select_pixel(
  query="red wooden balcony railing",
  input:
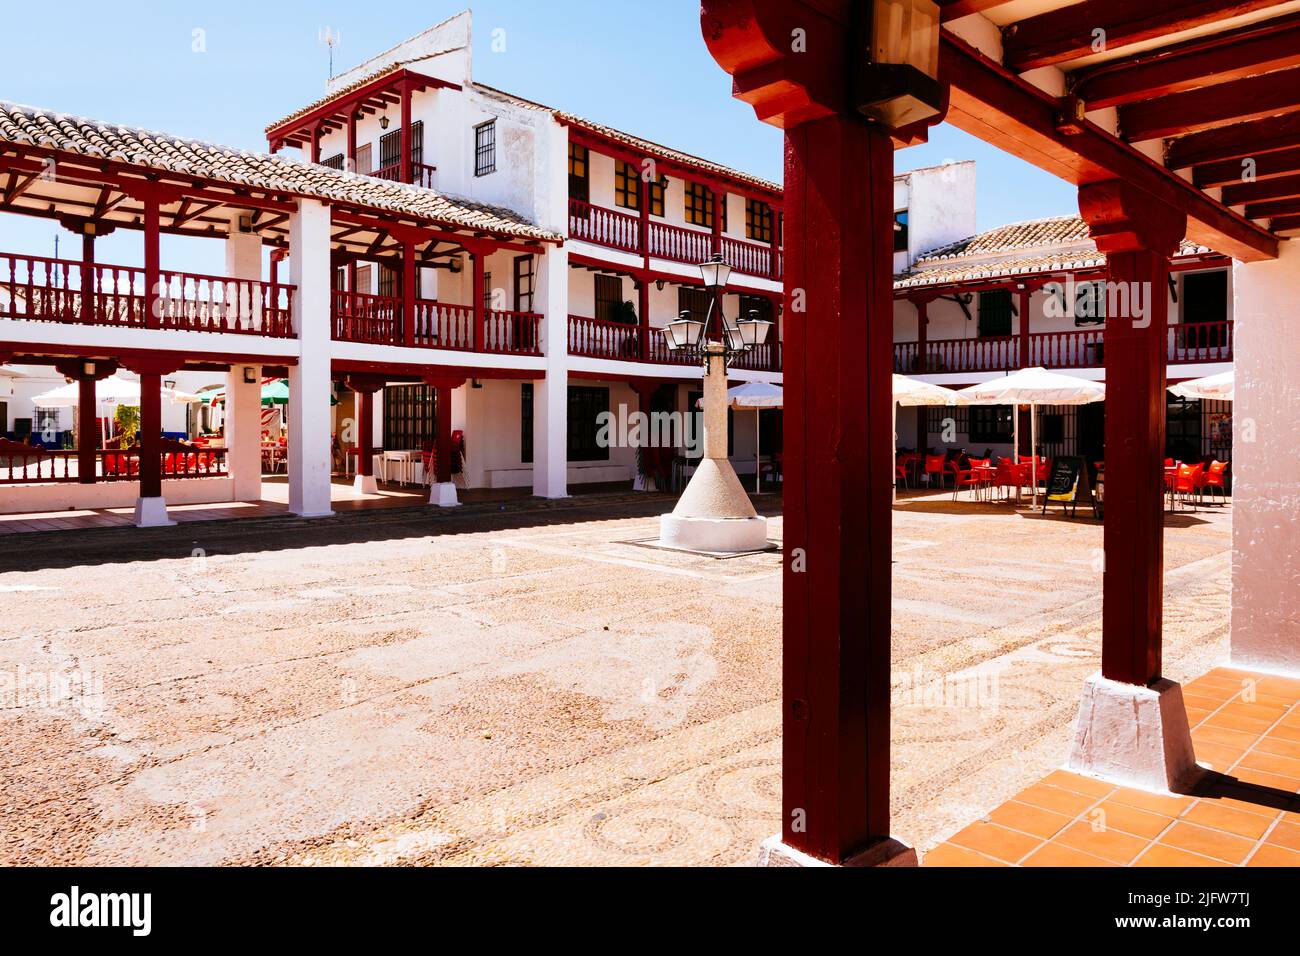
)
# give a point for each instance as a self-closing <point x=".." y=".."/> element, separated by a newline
<point x="372" y="319"/>
<point x="23" y="464"/>
<point x="512" y="333"/>
<point x="1068" y="348"/>
<point x="421" y="174"/>
<point x="621" y="230"/>
<point x="51" y="290"/>
<point x="605" y="227"/>
<point x="609" y="340"/>
<point x="679" y="244"/>
<point x="747" y="257"/>
<point x="441" y="326"/>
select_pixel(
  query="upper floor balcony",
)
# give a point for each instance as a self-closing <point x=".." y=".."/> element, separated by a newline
<point x="383" y="320"/>
<point x="594" y="338"/>
<point x="1081" y="348"/>
<point x="646" y="236"/>
<point x="71" y="292"/>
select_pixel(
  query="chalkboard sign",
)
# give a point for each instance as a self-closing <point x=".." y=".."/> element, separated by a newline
<point x="1067" y="482"/>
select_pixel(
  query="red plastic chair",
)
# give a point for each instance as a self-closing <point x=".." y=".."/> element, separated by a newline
<point x="1187" y="482"/>
<point x="934" y="465"/>
<point x="1214" y="478"/>
<point x="963" y="478"/>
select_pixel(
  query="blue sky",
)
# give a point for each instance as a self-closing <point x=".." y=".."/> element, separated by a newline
<point x="640" y="66"/>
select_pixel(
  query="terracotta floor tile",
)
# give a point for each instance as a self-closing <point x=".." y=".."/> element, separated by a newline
<point x="1200" y="702"/>
<point x="1197" y="715"/>
<point x="1263" y="778"/>
<point x="1054" y="854"/>
<point x="1285" y="834"/>
<point x="1128" y="819"/>
<point x="1216" y="816"/>
<point x="1161" y="855"/>
<point x="1269" y="855"/>
<point x="1169" y="805"/>
<point x="1272" y="763"/>
<point x="995" y="841"/>
<point x="1109" y="844"/>
<point x="1278" y="745"/>
<point x="1077" y="783"/>
<point x="1029" y="819"/>
<point x="1281" y="686"/>
<point x="1217" y="756"/>
<point x="1285" y="731"/>
<point x="947" y="854"/>
<point x="1223" y="736"/>
<point x="1212" y="687"/>
<point x="1055" y="799"/>
<point x="1267" y="712"/>
<point x="1211" y="843"/>
<point x="1238" y="722"/>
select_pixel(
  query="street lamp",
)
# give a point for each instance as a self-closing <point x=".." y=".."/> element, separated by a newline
<point x="727" y="340"/>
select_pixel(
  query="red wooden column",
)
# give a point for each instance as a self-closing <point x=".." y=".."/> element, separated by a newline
<point x="1138" y="235"/>
<point x="88" y="275"/>
<point x="643" y="317"/>
<point x="775" y="265"/>
<point x="922" y="366"/>
<point x="364" y="388"/>
<point x="479" y="294"/>
<point x="315" y="143"/>
<point x="152" y="263"/>
<point x="719" y="197"/>
<point x="86" y="430"/>
<point x="409" y="292"/>
<point x="1023" y="292"/>
<point x="643" y="240"/>
<point x="406" y="133"/>
<point x="351" y="160"/>
<point x="443" y="452"/>
<point x="150" y="434"/>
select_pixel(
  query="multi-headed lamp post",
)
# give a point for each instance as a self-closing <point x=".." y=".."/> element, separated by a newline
<point x="714" y="513"/>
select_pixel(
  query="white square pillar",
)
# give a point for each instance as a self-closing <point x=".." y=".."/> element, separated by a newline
<point x="310" y="380"/>
<point x="1265" y="509"/>
<point x="551" y="394"/>
<point x="244" y="431"/>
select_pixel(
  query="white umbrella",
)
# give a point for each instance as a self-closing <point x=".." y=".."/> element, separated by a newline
<point x="1221" y="387"/>
<point x="913" y="392"/>
<point x="758" y="396"/>
<point x="1033" y="387"/>
<point x="108" y="391"/>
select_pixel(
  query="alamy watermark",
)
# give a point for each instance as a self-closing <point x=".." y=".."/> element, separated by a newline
<point x="624" y="429"/>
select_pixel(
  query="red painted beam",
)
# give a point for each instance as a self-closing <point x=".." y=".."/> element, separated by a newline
<point x="989" y="102"/>
<point x="1273" y="210"/>
<point x="1264" y="166"/>
<point x="1068" y="33"/>
<point x="1235" y="142"/>
<point x="1268" y="190"/>
<point x="293" y="129"/>
<point x="1286" y="223"/>
<point x="1234" y="55"/>
<point x="1256" y="97"/>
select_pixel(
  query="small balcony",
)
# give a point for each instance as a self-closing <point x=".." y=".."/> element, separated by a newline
<point x="1076" y="348"/>
<point x="619" y="230"/>
<point x="378" y="320"/>
<point x="66" y="291"/>
<point x="594" y="338"/>
<point x="422" y="175"/>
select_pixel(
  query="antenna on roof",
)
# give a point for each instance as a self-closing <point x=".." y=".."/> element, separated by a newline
<point x="331" y="39"/>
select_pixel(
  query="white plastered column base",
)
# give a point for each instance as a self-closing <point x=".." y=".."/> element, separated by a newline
<point x="365" y="485"/>
<point x="443" y="494"/>
<point x="889" y="852"/>
<point x="1134" y="736"/>
<point x="152" y="513"/>
<point x="719" y="535"/>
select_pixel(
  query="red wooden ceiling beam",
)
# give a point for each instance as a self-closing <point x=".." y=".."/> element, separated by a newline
<point x="296" y="128"/>
<point x="1234" y="55"/>
<point x="1235" y="142"/>
<point x="1256" y="97"/>
<point x="1267" y="190"/>
<point x="1019" y="118"/>
<point x="1286" y="223"/>
<point x="1228" y="172"/>
<point x="1274" y="209"/>
<point x="1065" y="34"/>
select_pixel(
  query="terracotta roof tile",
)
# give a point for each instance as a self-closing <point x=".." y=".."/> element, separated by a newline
<point x="46" y="129"/>
<point x="1056" y="244"/>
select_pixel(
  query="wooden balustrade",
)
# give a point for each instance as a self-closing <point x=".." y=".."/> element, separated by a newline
<point x="512" y="333"/>
<point x="51" y="290"/>
<point x="422" y="174"/>
<point x="25" y="464"/>
<point x="1068" y="348"/>
<point x="442" y="326"/>
<point x="595" y="338"/>
<point x="747" y="257"/>
<point x="679" y="244"/>
<point x="372" y="319"/>
<point x="605" y="227"/>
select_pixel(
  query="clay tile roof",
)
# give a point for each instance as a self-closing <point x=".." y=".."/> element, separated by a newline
<point x="343" y="91"/>
<point x="1057" y="244"/>
<point x="635" y="142"/>
<point x="45" y="129"/>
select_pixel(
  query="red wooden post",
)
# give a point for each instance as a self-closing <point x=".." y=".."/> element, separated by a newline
<point x="479" y="294"/>
<point x="152" y="264"/>
<point x="408" y="292"/>
<point x="922" y="366"/>
<point x="643" y="240"/>
<point x="365" y="432"/>
<point x="351" y="164"/>
<point x="719" y="197"/>
<point x="315" y="143"/>
<point x="150" y="434"/>
<point x="406" y="133"/>
<point x="86" y="429"/>
<point x="88" y="310"/>
<point x="1023" y="292"/>
<point x="442" y="424"/>
<point x="775" y="265"/>
<point x="1138" y="235"/>
<point x="643" y="310"/>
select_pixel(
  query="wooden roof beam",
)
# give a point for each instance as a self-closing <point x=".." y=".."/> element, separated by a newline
<point x="1233" y="55"/>
<point x="1256" y="97"/>
<point x="1228" y="172"/>
<point x="1268" y="190"/>
<point x="1068" y="33"/>
<point x="1235" y="142"/>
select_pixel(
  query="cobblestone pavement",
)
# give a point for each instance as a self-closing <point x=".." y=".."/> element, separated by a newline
<point x="519" y="683"/>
